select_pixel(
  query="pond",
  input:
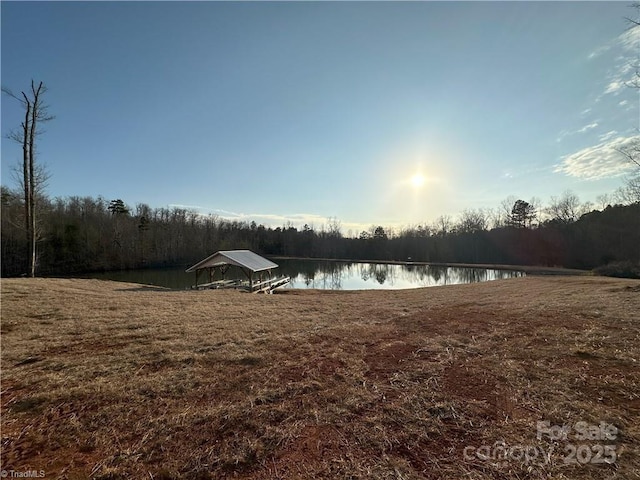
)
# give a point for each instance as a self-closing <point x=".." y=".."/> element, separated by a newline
<point x="328" y="275"/>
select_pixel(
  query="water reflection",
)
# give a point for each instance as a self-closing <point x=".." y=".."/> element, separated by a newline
<point x="358" y="276"/>
<point x="327" y="275"/>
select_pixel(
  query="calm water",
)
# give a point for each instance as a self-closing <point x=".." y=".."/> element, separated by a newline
<point x="328" y="275"/>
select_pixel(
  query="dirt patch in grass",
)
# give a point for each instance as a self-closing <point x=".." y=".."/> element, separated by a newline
<point x="104" y="381"/>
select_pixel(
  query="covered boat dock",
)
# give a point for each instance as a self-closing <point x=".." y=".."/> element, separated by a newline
<point x="258" y="270"/>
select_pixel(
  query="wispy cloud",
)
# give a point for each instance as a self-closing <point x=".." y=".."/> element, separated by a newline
<point x="600" y="161"/>
<point x="588" y="127"/>
<point x="186" y="207"/>
<point x="624" y="73"/>
<point x="525" y="171"/>
<point x="566" y="133"/>
<point x="615" y="86"/>
<point x="605" y="137"/>
<point x="630" y="38"/>
<point x="270" y="218"/>
<point x="599" y="51"/>
<point x="297" y="220"/>
<point x="563" y="134"/>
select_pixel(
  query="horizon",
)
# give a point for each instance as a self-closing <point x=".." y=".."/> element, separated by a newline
<point x="390" y="114"/>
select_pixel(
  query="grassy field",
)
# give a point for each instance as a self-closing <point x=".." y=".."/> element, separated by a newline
<point x="110" y="380"/>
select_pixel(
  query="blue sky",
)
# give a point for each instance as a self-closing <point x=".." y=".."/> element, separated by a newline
<point x="301" y="111"/>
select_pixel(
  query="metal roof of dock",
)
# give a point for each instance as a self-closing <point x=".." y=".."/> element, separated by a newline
<point x="244" y="259"/>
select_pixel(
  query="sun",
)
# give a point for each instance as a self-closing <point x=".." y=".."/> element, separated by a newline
<point x="417" y="180"/>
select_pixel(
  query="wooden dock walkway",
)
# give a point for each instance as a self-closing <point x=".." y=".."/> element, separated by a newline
<point x="269" y="286"/>
<point x="266" y="286"/>
<point x="217" y="284"/>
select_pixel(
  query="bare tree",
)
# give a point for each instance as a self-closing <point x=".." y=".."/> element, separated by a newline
<point x="633" y="24"/>
<point x="629" y="193"/>
<point x="567" y="208"/>
<point x="33" y="177"/>
<point x="536" y="204"/>
<point x="472" y="221"/>
<point x="604" y="200"/>
<point x="632" y="152"/>
<point x="503" y="216"/>
<point x="334" y="227"/>
<point x="443" y="225"/>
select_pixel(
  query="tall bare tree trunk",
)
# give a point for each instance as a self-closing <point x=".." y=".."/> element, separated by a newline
<point x="25" y="170"/>
<point x="33" y="176"/>
<point x="35" y="114"/>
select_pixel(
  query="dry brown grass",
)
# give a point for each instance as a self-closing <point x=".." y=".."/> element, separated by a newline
<point x="110" y="380"/>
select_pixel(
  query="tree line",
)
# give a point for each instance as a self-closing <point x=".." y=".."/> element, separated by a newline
<point x="82" y="234"/>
